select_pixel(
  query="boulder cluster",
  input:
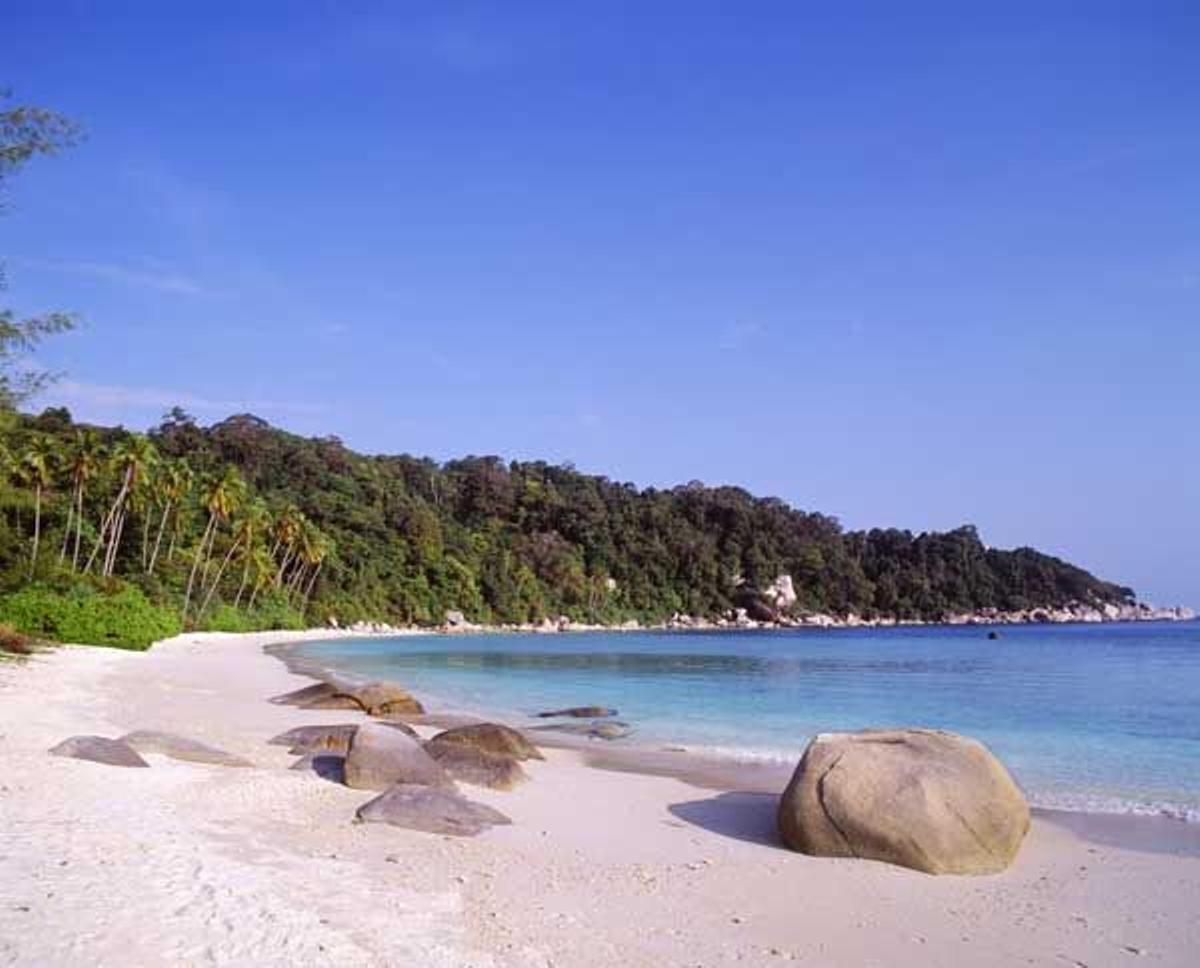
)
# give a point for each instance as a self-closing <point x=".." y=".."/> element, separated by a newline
<point x="417" y="780"/>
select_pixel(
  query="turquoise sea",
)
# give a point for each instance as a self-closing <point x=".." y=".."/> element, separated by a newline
<point x="1088" y="717"/>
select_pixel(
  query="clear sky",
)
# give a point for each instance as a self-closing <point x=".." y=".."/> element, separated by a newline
<point x="908" y="264"/>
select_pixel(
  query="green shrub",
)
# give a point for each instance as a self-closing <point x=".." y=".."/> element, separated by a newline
<point x="226" y="618"/>
<point x="123" y="619"/>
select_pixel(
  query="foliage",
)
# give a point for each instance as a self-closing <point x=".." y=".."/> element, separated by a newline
<point x="241" y="525"/>
<point x="122" y="618"/>
<point x="14" y="642"/>
<point x="25" y="132"/>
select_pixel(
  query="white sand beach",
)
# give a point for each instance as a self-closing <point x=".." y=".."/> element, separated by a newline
<point x="188" y="864"/>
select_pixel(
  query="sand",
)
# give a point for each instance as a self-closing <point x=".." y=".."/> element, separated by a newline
<point x="186" y="864"/>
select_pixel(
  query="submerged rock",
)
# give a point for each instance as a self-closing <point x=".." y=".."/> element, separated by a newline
<point x="181" y="748"/>
<point x="491" y="738"/>
<point x="380" y="757"/>
<point x="580" y="712"/>
<point x="433" y="811"/>
<point x="99" y="749"/>
<point x="919" y="798"/>
<point x="477" y="767"/>
<point x="612" y="729"/>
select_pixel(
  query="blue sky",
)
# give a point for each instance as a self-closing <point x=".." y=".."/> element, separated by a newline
<point x="909" y="264"/>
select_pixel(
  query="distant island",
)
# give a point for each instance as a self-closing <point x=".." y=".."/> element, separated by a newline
<point x="118" y="537"/>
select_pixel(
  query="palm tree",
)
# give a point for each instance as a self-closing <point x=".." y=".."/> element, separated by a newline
<point x="82" y="465"/>
<point x="131" y="459"/>
<point x="222" y="499"/>
<point x="320" y="548"/>
<point x="256" y="520"/>
<point x="173" y="485"/>
<point x="34" y="469"/>
<point x="287" y="530"/>
<point x="243" y="537"/>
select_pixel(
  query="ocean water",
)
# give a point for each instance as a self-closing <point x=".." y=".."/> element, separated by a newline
<point x="1094" y="717"/>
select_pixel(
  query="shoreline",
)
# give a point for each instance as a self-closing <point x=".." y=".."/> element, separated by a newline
<point x="184" y="863"/>
<point x="700" y="766"/>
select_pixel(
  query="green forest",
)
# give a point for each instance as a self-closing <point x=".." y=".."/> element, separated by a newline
<point x="241" y="525"/>
<point x="121" y="538"/>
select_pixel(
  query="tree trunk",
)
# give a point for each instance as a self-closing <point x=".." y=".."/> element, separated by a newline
<point x="62" y="555"/>
<point x="162" y="526"/>
<point x="217" y="581"/>
<point x="311" y="582"/>
<point x="78" y="530"/>
<point x="187" y="597"/>
<point x="109" y="520"/>
<point x="237" y="602"/>
<point x="37" y="527"/>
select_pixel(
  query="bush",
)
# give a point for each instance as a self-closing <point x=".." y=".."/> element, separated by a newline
<point x="124" y="619"/>
<point x="14" y="642"/>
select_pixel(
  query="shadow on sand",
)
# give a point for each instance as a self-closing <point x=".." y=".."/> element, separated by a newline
<point x="742" y="816"/>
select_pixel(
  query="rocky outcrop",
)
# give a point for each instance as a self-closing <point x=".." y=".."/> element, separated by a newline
<point x="477" y="767"/>
<point x="431" y="810"/>
<point x="99" y="749"/>
<point x="181" y="748"/>
<point x="380" y="757"/>
<point x="579" y="712"/>
<point x="929" y="800"/>
<point x="491" y="738"/>
<point x="781" y="593"/>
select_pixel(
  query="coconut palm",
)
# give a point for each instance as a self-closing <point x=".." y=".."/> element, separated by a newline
<point x="255" y="523"/>
<point x="172" y="487"/>
<point x="288" y="524"/>
<point x="244" y="532"/>
<point x="34" y="470"/>
<point x="83" y="463"/>
<point x="132" y="459"/>
<point x="222" y="497"/>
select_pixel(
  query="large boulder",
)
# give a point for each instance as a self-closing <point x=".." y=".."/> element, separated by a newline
<point x="382" y="699"/>
<point x="380" y="757"/>
<point x="375" y="698"/>
<point x="99" y="749"/>
<point x="477" y="767"/>
<point x="491" y="738"/>
<point x="334" y="738"/>
<point x="181" y="748"/>
<point x="430" y="810"/>
<point x="919" y="798"/>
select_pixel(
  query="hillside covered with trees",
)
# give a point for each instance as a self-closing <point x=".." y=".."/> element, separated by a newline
<point x="242" y="525"/>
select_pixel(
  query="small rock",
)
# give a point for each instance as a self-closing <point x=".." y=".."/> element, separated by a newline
<point x="99" y="749"/>
<point x="430" y="810"/>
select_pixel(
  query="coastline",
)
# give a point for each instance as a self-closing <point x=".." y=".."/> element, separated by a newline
<point x="726" y="765"/>
<point x="184" y="863"/>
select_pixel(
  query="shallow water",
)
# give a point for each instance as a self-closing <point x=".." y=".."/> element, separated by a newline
<point x="1091" y="717"/>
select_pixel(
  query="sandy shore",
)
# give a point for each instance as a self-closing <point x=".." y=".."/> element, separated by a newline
<point x="185" y="864"/>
